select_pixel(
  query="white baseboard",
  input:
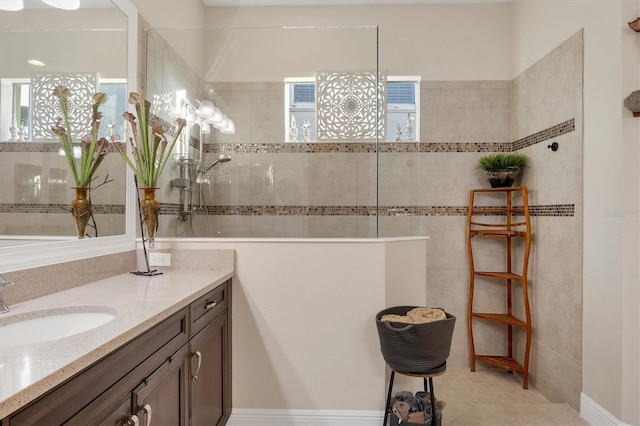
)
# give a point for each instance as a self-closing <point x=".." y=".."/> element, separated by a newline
<point x="269" y="417"/>
<point x="595" y="415"/>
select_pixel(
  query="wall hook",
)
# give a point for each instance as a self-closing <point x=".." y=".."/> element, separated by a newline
<point x="553" y="146"/>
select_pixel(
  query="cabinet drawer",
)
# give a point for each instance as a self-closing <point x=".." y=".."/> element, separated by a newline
<point x="207" y="307"/>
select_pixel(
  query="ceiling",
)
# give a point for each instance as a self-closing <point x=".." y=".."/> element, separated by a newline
<point x="334" y="2"/>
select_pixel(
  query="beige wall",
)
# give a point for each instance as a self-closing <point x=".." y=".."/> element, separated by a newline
<point x="81" y="50"/>
<point x="304" y="334"/>
<point x="610" y="275"/>
<point x="411" y="37"/>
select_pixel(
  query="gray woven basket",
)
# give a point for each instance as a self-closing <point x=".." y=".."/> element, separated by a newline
<point x="415" y="348"/>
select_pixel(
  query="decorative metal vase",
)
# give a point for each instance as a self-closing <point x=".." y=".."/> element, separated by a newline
<point x="81" y="209"/>
<point x="149" y="206"/>
<point x="502" y="178"/>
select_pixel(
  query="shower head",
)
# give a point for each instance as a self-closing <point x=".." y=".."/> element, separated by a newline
<point x="223" y="158"/>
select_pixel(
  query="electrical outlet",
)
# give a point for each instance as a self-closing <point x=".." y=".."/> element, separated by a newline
<point x="159" y="259"/>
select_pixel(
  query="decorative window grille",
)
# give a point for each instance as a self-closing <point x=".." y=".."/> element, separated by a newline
<point x="31" y="103"/>
<point x="46" y="108"/>
<point x="400" y="107"/>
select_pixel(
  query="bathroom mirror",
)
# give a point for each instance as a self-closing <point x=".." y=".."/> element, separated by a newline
<point x="96" y="44"/>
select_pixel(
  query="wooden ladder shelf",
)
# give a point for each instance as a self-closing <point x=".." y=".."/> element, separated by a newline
<point x="514" y="223"/>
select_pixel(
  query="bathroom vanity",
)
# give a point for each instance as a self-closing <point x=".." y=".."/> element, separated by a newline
<point x="165" y="358"/>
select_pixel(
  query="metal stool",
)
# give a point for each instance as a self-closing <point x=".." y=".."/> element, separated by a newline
<point x="427" y="388"/>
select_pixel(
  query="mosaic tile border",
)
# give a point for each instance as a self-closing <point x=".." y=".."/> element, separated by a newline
<point x="174" y="209"/>
<point x="567" y="210"/>
<point x="544" y="135"/>
<point x="39" y="147"/>
<point x="393" y="147"/>
<point x="60" y="208"/>
<point x="333" y="147"/>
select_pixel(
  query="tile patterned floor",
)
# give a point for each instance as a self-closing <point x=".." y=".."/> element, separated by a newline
<point x="493" y="397"/>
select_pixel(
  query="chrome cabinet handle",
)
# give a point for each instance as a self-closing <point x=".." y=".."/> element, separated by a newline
<point x="198" y="356"/>
<point x="210" y="305"/>
<point x="132" y="420"/>
<point x="146" y="409"/>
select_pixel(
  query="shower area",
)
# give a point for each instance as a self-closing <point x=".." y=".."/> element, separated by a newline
<point x="389" y="125"/>
<point x="293" y="132"/>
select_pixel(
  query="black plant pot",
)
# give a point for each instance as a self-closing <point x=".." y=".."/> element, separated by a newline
<point x="502" y="178"/>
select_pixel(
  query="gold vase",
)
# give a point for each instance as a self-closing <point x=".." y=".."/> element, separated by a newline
<point x="81" y="209"/>
<point x="149" y="206"/>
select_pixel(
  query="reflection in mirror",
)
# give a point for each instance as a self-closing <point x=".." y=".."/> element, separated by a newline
<point x="89" y="55"/>
<point x="90" y="49"/>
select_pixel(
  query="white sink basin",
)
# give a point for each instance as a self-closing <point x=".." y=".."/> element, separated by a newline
<point x="50" y="325"/>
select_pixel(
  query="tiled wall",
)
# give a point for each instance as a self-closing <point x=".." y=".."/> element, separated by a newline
<point x="551" y="91"/>
<point x="37" y="192"/>
<point x="332" y="189"/>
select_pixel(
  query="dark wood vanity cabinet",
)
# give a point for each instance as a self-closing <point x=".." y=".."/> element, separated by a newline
<point x="211" y="382"/>
<point x="176" y="373"/>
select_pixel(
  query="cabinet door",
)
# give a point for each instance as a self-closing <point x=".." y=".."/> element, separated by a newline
<point x="210" y="374"/>
<point x="161" y="400"/>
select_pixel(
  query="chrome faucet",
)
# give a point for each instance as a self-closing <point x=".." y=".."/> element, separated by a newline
<point x="4" y="283"/>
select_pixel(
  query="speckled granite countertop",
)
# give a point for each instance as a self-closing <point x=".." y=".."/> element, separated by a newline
<point x="138" y="303"/>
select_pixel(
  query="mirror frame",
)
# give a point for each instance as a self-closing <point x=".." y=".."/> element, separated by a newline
<point x="41" y="254"/>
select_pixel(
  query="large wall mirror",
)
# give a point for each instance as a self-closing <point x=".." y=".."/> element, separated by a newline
<point x="90" y="49"/>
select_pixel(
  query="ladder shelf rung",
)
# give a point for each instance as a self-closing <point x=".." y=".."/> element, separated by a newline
<point x="501" y="361"/>
<point x="499" y="274"/>
<point x="502" y="318"/>
<point x="496" y="233"/>
<point x="497" y="225"/>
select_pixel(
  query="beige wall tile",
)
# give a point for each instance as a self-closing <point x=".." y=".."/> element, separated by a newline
<point x="556" y="377"/>
<point x="556" y="319"/>
<point x="446" y="248"/>
<point x="441" y="180"/>
<point x="330" y="180"/>
<point x="448" y="289"/>
<point x="397" y="180"/>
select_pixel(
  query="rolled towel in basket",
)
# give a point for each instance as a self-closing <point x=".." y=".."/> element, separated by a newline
<point x="416" y="316"/>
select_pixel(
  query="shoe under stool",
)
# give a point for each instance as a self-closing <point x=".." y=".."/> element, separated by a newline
<point x="427" y="378"/>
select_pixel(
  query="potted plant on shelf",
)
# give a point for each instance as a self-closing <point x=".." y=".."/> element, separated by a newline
<point x="151" y="150"/>
<point x="502" y="169"/>
<point x="83" y="164"/>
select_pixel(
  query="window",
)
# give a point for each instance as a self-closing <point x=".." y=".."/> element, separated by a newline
<point x="403" y="108"/>
<point x="403" y="100"/>
<point x="16" y="107"/>
<point x="300" y="109"/>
